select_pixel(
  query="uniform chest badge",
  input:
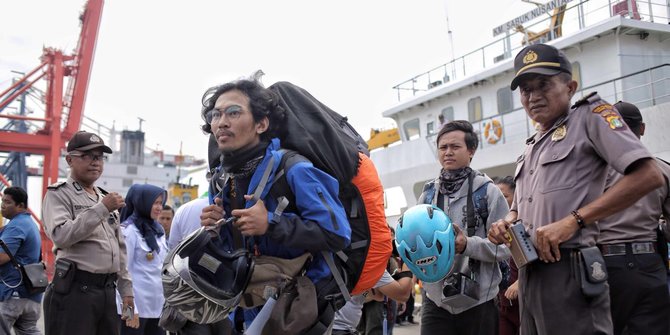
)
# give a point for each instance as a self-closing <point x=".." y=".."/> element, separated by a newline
<point x="150" y="256"/>
<point x="597" y="272"/>
<point x="559" y="133"/>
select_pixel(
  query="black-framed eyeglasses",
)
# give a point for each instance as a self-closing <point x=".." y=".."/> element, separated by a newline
<point x="231" y="112"/>
<point x="89" y="157"/>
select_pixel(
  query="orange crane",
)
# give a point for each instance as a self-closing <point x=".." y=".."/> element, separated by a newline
<point x="63" y="110"/>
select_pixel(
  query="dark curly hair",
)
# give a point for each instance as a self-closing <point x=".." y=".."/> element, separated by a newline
<point x="262" y="101"/>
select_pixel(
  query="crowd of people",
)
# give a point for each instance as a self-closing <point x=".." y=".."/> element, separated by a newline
<point x="588" y="193"/>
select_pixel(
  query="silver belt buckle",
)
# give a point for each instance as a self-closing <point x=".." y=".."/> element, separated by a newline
<point x="643" y="248"/>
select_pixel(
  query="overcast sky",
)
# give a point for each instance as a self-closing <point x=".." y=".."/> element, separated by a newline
<point x="154" y="59"/>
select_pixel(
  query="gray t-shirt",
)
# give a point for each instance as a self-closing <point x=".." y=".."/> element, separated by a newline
<point x="349" y="315"/>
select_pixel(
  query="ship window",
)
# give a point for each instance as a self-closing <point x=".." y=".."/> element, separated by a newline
<point x="127" y="182"/>
<point x="475" y="111"/>
<point x="577" y="73"/>
<point x="411" y="129"/>
<point x="131" y="169"/>
<point x="505" y="102"/>
<point x="430" y="128"/>
<point x="446" y="116"/>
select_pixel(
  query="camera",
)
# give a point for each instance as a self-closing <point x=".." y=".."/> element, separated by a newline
<point x="460" y="290"/>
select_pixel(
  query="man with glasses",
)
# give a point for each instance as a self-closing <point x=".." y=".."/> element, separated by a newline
<point x="246" y="120"/>
<point x="82" y="220"/>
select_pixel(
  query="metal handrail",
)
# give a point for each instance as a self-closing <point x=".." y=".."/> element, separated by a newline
<point x="653" y="98"/>
<point x="449" y="71"/>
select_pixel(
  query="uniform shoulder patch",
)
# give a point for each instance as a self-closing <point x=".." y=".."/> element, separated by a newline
<point x="55" y="186"/>
<point x="585" y="100"/>
<point x="602" y="108"/>
<point x="613" y="119"/>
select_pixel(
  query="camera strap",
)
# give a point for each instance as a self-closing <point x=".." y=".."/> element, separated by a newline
<point x="471" y="221"/>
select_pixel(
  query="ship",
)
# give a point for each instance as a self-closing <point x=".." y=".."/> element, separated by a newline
<point x="620" y="49"/>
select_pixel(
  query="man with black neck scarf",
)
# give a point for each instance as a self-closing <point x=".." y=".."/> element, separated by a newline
<point x="245" y="119"/>
<point x="476" y="257"/>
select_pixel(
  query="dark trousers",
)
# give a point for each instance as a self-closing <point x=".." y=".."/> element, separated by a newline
<point x="372" y="319"/>
<point x="552" y="302"/>
<point x="147" y="327"/>
<point x="87" y="309"/>
<point x="478" y="320"/>
<point x="223" y="327"/>
<point x="408" y="314"/>
<point x="509" y="321"/>
<point x="639" y="295"/>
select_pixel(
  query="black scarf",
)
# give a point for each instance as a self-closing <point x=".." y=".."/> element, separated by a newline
<point x="452" y="180"/>
<point x="243" y="162"/>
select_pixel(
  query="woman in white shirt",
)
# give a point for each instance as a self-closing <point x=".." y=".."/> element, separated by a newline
<point x="147" y="248"/>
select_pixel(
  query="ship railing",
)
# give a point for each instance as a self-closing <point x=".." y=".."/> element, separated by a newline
<point x="643" y="88"/>
<point x="577" y="16"/>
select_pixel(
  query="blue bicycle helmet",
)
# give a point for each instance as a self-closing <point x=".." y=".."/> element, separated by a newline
<point x="425" y="241"/>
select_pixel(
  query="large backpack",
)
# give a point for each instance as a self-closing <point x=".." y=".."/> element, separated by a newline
<point x="327" y="140"/>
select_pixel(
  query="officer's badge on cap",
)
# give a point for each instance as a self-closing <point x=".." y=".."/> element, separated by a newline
<point x="540" y="59"/>
<point x="85" y="141"/>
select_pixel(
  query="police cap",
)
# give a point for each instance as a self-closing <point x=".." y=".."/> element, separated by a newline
<point x="85" y="141"/>
<point x="540" y="59"/>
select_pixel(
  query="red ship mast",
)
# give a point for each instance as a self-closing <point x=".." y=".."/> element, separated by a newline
<point x="55" y="66"/>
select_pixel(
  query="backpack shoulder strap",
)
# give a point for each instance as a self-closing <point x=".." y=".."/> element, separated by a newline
<point x="428" y="192"/>
<point x="280" y="187"/>
<point x="480" y="199"/>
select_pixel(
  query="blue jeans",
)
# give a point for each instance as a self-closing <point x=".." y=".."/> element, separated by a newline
<point x="22" y="315"/>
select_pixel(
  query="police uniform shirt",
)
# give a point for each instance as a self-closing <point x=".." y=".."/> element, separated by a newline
<point x="565" y="168"/>
<point x="85" y="232"/>
<point x="638" y="222"/>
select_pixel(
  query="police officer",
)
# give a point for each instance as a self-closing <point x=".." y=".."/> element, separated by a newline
<point x="82" y="221"/>
<point x="561" y="194"/>
<point x="628" y="240"/>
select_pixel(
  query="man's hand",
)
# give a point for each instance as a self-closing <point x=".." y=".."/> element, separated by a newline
<point x="549" y="238"/>
<point x="113" y="201"/>
<point x="512" y="291"/>
<point x="212" y="214"/>
<point x="133" y="322"/>
<point x="401" y="308"/>
<point x="461" y="239"/>
<point x="498" y="233"/>
<point x="253" y="220"/>
<point x="127" y="302"/>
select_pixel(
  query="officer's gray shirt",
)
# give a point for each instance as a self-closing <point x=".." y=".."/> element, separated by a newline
<point x="83" y="231"/>
<point x="638" y="222"/>
<point x="559" y="174"/>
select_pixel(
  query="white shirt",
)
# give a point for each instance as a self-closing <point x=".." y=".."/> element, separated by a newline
<point x="186" y="220"/>
<point x="145" y="273"/>
<point x="349" y="315"/>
